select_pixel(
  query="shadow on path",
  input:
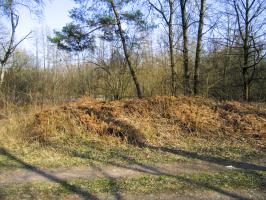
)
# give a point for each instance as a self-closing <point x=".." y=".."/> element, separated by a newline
<point x="113" y="182"/>
<point x="71" y="188"/>
<point x="189" y="181"/>
<point x="139" y="167"/>
<point x="212" y="159"/>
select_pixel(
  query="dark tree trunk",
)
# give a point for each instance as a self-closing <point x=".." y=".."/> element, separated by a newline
<point x="199" y="47"/>
<point x="246" y="54"/>
<point x="171" y="48"/>
<point x="246" y="92"/>
<point x="185" y="47"/>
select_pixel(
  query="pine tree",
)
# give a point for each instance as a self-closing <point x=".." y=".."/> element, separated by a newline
<point x="111" y="20"/>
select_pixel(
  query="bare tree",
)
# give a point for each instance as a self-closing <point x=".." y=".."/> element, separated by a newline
<point x="9" y="9"/>
<point x="166" y="9"/>
<point x="250" y="17"/>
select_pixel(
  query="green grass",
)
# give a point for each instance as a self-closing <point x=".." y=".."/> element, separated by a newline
<point x="241" y="152"/>
<point x="85" y="153"/>
<point x="225" y="181"/>
<point x="91" y="150"/>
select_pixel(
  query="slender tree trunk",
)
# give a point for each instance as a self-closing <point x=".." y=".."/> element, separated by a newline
<point x="2" y="76"/>
<point x="199" y="47"/>
<point x="207" y="86"/>
<point x="246" y="86"/>
<point x="246" y="54"/>
<point x="245" y="36"/>
<point x="171" y="48"/>
<point x="37" y="53"/>
<point x="228" y="59"/>
<point x="185" y="46"/>
<point x="125" y="48"/>
<point x="168" y="19"/>
<point x="44" y="49"/>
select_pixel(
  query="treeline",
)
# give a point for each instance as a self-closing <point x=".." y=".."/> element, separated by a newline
<point x="116" y="49"/>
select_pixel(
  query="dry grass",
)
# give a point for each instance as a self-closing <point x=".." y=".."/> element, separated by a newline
<point x="156" y="120"/>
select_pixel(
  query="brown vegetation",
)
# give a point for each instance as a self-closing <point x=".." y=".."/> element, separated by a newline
<point x="156" y="120"/>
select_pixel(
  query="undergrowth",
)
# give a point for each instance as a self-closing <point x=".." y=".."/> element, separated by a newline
<point x="87" y="130"/>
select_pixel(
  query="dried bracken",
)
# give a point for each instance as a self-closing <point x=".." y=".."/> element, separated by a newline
<point x="155" y="120"/>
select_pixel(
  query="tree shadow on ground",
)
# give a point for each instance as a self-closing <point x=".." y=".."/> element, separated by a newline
<point x="115" y="190"/>
<point x="147" y="169"/>
<point x="209" y="158"/>
<point x="132" y="164"/>
<point x="69" y="187"/>
<point x="187" y="180"/>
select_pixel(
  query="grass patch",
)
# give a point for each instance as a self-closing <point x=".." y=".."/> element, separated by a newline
<point x="240" y="152"/>
<point x="86" y="153"/>
<point x="225" y="181"/>
<point x="93" y="150"/>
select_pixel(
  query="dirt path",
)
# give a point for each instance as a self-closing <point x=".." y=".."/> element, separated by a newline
<point x="191" y="195"/>
<point x="33" y="174"/>
<point x="111" y="171"/>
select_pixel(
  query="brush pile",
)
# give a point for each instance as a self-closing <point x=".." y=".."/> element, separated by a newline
<point x="152" y="120"/>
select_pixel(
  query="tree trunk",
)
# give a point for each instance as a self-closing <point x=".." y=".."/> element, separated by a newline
<point x="168" y="19"/>
<point x="125" y="48"/>
<point x="10" y="49"/>
<point x="171" y="48"/>
<point x="199" y="47"/>
<point x="185" y="47"/>
<point x="246" y="86"/>
<point x="246" y="92"/>
<point x="2" y="76"/>
<point x="246" y="54"/>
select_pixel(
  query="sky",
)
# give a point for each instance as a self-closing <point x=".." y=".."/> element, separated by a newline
<point x="55" y="16"/>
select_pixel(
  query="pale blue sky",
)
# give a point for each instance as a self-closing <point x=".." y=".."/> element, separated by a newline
<point x="55" y="16"/>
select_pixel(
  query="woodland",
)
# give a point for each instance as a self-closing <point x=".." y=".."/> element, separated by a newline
<point x="123" y="49"/>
